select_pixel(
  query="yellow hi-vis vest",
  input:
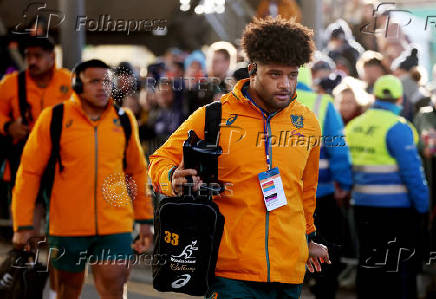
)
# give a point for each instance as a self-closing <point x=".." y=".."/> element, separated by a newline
<point x="375" y="171"/>
<point x="318" y="103"/>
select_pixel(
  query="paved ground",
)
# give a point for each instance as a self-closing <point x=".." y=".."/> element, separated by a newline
<point x="140" y="285"/>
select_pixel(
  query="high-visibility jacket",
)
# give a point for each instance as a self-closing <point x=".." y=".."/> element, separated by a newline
<point x="386" y="167"/>
<point x="334" y="162"/>
<point x="89" y="196"/>
<point x="256" y="245"/>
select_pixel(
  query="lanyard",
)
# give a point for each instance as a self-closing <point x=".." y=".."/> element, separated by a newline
<point x="265" y="119"/>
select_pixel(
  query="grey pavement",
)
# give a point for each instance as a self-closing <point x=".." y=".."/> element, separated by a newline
<point x="140" y="284"/>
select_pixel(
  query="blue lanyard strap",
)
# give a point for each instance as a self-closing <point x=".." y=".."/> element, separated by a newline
<point x="265" y="118"/>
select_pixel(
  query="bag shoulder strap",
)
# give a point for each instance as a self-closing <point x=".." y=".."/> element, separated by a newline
<point x="127" y="128"/>
<point x="212" y="122"/>
<point x="22" y="96"/>
<point x="55" y="134"/>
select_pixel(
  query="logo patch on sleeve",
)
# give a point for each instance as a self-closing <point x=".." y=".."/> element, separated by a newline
<point x="297" y="120"/>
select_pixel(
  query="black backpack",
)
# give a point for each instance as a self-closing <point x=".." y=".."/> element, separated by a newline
<point x="55" y="136"/>
<point x="187" y="233"/>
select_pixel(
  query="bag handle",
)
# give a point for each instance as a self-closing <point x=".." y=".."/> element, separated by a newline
<point x="212" y="123"/>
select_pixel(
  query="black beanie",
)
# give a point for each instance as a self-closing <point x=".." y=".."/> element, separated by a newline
<point x="406" y="62"/>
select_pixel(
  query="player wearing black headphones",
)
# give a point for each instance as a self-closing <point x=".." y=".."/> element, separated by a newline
<point x="94" y="94"/>
<point x="91" y="211"/>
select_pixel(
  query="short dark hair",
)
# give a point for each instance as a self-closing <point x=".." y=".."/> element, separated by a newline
<point x="124" y="68"/>
<point x="277" y="40"/>
<point x="225" y="53"/>
<point x="376" y="62"/>
<point x="93" y="63"/>
<point x="46" y="43"/>
<point x="180" y="65"/>
<point x="405" y="61"/>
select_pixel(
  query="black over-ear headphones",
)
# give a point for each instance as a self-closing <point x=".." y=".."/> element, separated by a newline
<point x="253" y="71"/>
<point x="77" y="83"/>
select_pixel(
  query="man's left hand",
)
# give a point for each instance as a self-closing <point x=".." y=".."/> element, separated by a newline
<point x="145" y="241"/>
<point x="342" y="196"/>
<point x="318" y="254"/>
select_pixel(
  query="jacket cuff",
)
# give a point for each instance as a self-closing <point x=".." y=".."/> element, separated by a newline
<point x="345" y="187"/>
<point x="24" y="227"/>
<point x="144" y="221"/>
<point x="164" y="185"/>
<point x="311" y="236"/>
<point x="6" y="127"/>
<point x="310" y="229"/>
<point x="170" y="173"/>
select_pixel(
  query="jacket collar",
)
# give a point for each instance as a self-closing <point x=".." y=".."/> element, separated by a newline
<point x="387" y="106"/>
<point x="240" y="90"/>
<point x="77" y="103"/>
<point x="237" y="90"/>
<point x="52" y="82"/>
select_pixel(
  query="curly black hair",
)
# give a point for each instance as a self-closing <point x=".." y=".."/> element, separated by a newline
<point x="277" y="40"/>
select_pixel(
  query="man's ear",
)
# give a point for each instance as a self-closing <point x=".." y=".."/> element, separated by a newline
<point x="252" y="69"/>
<point x="53" y="57"/>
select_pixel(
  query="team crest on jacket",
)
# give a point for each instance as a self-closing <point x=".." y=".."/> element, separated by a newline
<point x="64" y="89"/>
<point x="117" y="122"/>
<point x="231" y="119"/>
<point x="297" y="120"/>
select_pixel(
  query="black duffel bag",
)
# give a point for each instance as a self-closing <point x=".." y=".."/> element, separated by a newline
<point x="22" y="276"/>
<point x="188" y="228"/>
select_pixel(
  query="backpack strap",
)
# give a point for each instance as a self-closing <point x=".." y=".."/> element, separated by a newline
<point x="55" y="134"/>
<point x="22" y="97"/>
<point x="127" y="128"/>
<point x="211" y="130"/>
<point x="212" y="122"/>
<point x="48" y="176"/>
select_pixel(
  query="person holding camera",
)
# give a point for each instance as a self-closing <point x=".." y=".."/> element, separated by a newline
<point x="269" y="164"/>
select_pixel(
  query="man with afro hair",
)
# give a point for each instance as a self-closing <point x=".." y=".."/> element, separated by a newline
<point x="270" y="161"/>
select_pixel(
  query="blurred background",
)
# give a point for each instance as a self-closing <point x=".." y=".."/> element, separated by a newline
<point x="187" y="43"/>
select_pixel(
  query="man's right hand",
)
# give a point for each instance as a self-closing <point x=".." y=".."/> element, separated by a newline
<point x="21" y="238"/>
<point x="17" y="130"/>
<point x="318" y="254"/>
<point x="178" y="179"/>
